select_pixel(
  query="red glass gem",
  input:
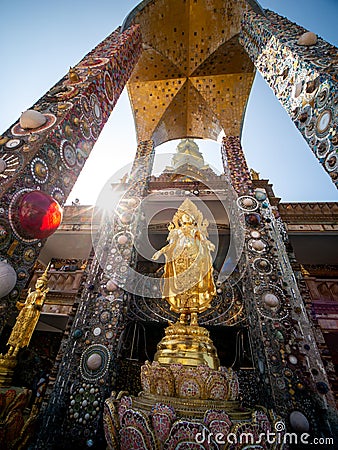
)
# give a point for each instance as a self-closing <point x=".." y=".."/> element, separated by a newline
<point x="38" y="215"/>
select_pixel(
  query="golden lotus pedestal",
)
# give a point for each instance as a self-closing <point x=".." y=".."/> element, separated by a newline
<point x="186" y="398"/>
<point x="189" y="345"/>
<point x="192" y="408"/>
<point x="180" y="404"/>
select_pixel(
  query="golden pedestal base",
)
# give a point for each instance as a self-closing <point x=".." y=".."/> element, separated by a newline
<point x="7" y="366"/>
<point x="192" y="408"/>
<point x="189" y="345"/>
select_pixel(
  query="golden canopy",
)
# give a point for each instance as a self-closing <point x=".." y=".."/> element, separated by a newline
<point x="193" y="78"/>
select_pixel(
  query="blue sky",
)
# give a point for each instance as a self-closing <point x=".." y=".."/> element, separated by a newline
<point x="40" y="40"/>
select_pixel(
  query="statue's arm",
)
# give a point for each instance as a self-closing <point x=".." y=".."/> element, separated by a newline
<point x="19" y="305"/>
<point x="43" y="297"/>
<point x="160" y="252"/>
<point x="40" y="300"/>
<point x="172" y="238"/>
<point x="198" y="235"/>
<point x="211" y="246"/>
<point x="157" y="254"/>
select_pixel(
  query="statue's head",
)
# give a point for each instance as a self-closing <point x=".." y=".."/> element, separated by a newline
<point x="40" y="283"/>
<point x="186" y="219"/>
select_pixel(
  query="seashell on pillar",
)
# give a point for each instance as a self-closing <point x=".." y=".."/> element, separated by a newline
<point x="31" y="119"/>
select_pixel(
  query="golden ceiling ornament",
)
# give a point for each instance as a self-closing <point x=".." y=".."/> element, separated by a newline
<point x="193" y="78"/>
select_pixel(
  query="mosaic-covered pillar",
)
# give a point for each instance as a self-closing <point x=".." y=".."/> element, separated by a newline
<point x="301" y="69"/>
<point x="235" y="165"/>
<point x="291" y="373"/>
<point x="45" y="150"/>
<point x="90" y="365"/>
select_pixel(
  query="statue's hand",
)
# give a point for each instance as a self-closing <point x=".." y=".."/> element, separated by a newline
<point x="156" y="255"/>
<point x="19" y="305"/>
<point x="211" y="247"/>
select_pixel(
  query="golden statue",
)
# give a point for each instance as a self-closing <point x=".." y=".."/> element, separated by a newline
<point x="188" y="286"/>
<point x="73" y="76"/>
<point x="254" y="175"/>
<point x="188" y="274"/>
<point x="28" y="317"/>
<point x="304" y="272"/>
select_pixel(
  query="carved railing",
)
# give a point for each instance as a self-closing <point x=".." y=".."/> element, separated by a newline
<point x="323" y="289"/>
<point x="60" y="281"/>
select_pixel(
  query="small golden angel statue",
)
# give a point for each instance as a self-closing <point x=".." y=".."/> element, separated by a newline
<point x="28" y="316"/>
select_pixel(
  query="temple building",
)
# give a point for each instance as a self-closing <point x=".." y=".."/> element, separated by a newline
<point x="197" y="309"/>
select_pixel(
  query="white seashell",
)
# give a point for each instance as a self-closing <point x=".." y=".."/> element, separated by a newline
<point x="255" y="234"/>
<point x="122" y="239"/>
<point x="258" y="245"/>
<point x="307" y="39"/>
<point x="32" y="119"/>
<point x="271" y="300"/>
<point x="293" y="359"/>
<point x="8" y="278"/>
<point x="97" y="331"/>
<point x="297" y="89"/>
<point x="248" y="202"/>
<point x="3" y="165"/>
<point x="94" y="361"/>
<point x="299" y="422"/>
<point x="111" y="286"/>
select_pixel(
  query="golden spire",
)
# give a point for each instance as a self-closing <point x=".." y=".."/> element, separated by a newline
<point x="44" y="276"/>
<point x="187" y="152"/>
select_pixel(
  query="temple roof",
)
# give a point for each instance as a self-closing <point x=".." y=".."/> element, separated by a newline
<point x="193" y="78"/>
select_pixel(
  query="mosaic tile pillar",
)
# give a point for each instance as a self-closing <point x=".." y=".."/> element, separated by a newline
<point x="89" y="367"/>
<point x="235" y="165"/>
<point x="303" y="75"/>
<point x="317" y="331"/>
<point x="49" y="158"/>
<point x="291" y="363"/>
<point x="290" y="372"/>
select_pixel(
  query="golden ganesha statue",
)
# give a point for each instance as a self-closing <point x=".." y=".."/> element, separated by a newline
<point x="188" y="283"/>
